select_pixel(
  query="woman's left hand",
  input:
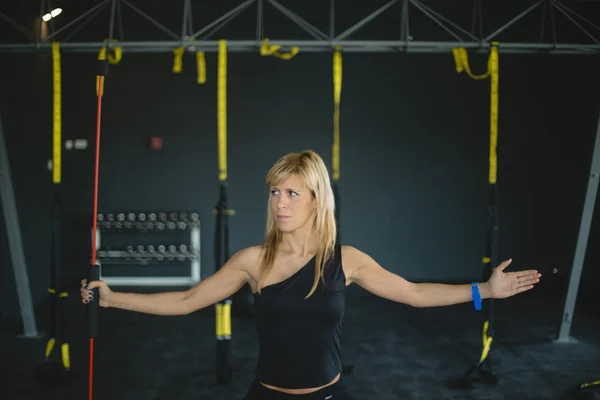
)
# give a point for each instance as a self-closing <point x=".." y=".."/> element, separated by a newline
<point x="506" y="284"/>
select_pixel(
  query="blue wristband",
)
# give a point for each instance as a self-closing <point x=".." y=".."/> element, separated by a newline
<point x="476" y="295"/>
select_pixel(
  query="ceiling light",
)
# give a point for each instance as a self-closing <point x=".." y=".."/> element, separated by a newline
<point x="52" y="14"/>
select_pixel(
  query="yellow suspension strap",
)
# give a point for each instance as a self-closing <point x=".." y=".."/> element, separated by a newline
<point x="178" y="59"/>
<point x="201" y="67"/>
<point x="222" y="212"/>
<point x="200" y="63"/>
<point x="267" y="49"/>
<point x="590" y="388"/>
<point x="57" y="112"/>
<point x="113" y="56"/>
<point x="490" y="259"/>
<point x="335" y="151"/>
<point x="49" y="371"/>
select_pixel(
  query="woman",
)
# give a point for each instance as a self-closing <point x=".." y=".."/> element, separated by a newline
<point x="298" y="276"/>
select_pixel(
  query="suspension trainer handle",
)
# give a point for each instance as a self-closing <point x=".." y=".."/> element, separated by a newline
<point x="93" y="275"/>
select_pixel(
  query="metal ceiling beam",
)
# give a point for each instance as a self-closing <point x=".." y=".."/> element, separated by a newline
<point x="322" y="42"/>
<point x="312" y="46"/>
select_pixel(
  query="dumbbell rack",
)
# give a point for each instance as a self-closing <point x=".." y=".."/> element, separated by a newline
<point x="173" y="224"/>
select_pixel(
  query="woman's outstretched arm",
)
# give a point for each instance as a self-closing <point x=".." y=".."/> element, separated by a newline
<point x="368" y="274"/>
<point x="224" y="283"/>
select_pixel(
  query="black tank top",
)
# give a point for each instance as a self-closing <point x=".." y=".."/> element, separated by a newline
<point x="299" y="339"/>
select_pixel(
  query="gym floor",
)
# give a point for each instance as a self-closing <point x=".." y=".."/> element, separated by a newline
<point x="396" y="352"/>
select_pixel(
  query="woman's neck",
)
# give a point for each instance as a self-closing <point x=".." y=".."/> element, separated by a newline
<point x="302" y="242"/>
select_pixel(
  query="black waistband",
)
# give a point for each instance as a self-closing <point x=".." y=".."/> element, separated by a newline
<point x="337" y="391"/>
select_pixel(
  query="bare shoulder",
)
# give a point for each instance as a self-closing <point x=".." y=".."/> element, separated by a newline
<point x="352" y="260"/>
<point x="353" y="255"/>
<point x="349" y="252"/>
<point x="248" y="260"/>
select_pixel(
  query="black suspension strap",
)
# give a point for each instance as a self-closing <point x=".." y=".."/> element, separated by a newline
<point x="224" y="371"/>
<point x="335" y="153"/>
<point x="51" y="372"/>
<point x="481" y="371"/>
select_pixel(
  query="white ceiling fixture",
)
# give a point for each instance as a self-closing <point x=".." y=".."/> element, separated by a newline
<point x="54" y="13"/>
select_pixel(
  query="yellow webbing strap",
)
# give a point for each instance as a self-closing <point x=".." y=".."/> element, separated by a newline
<point x="487" y="342"/>
<point x="462" y="64"/>
<point x="494" y="71"/>
<point x="49" y="347"/>
<point x="200" y="63"/>
<point x="270" y="50"/>
<point x="226" y="212"/>
<point x="223" y="320"/>
<point x="219" y="320"/>
<point x="66" y="359"/>
<point x="178" y="59"/>
<point x="337" y="93"/>
<point x="591" y="384"/>
<point x="113" y="57"/>
<point x="461" y="59"/>
<point x="201" y="67"/>
<point x="57" y="120"/>
<point x="222" y="110"/>
<point x="61" y="294"/>
<point x="227" y="319"/>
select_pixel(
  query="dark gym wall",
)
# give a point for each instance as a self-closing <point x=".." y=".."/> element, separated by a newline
<point x="414" y="153"/>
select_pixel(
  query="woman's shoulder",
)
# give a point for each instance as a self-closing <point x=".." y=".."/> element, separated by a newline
<point x="250" y="253"/>
<point x="248" y="259"/>
<point x="352" y="258"/>
<point x="350" y="252"/>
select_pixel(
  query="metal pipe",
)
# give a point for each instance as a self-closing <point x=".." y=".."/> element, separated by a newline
<point x="480" y="13"/>
<point x="514" y="20"/>
<point x="543" y="27"/>
<point x="308" y="28"/>
<point x="120" y="14"/>
<point x="434" y="19"/>
<point x="18" y="26"/>
<point x="404" y="22"/>
<point x="84" y="23"/>
<point x="582" y="242"/>
<point x="434" y="15"/>
<point x="15" y="243"/>
<point x="331" y="19"/>
<point x="185" y="19"/>
<point x="82" y="16"/>
<point x="576" y="14"/>
<point x="227" y="16"/>
<point x="39" y="32"/>
<point x="365" y="20"/>
<point x="308" y="46"/>
<point x="559" y="7"/>
<point x="259" y="20"/>
<point x="151" y="20"/>
<point x="111" y="24"/>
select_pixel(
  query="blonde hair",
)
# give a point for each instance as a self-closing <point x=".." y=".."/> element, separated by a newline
<point x="311" y="169"/>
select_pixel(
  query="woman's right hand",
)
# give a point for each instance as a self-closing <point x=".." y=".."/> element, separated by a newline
<point x="87" y="294"/>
